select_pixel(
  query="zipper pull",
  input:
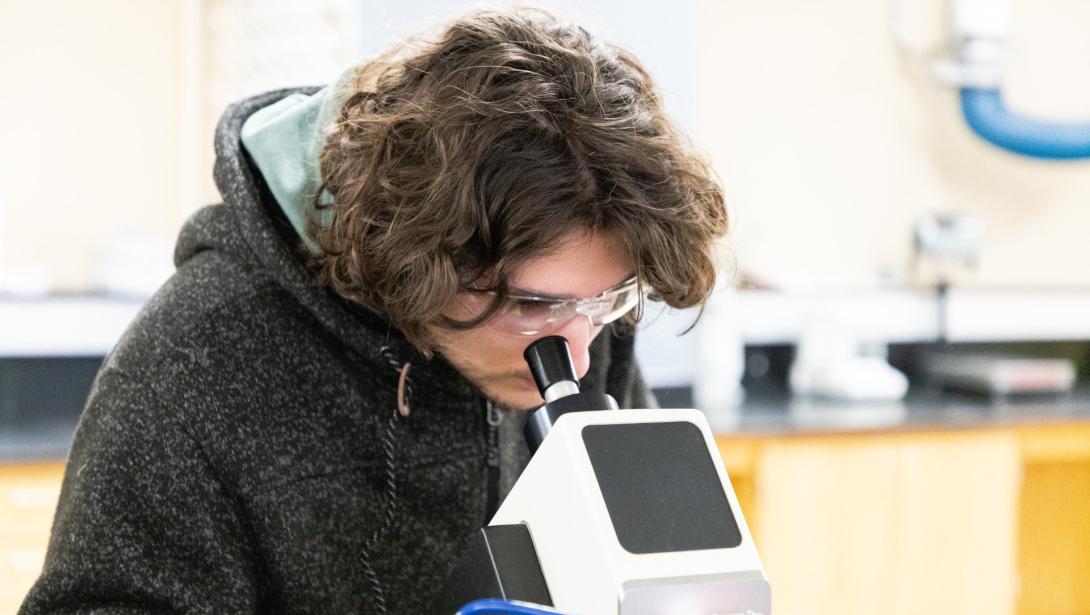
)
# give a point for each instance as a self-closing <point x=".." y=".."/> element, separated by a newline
<point x="492" y="458"/>
<point x="493" y="418"/>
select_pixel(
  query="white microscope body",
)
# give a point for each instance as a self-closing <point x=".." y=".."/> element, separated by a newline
<point x="625" y="522"/>
<point x="618" y="512"/>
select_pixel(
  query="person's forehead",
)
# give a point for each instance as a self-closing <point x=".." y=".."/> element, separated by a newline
<point x="582" y="266"/>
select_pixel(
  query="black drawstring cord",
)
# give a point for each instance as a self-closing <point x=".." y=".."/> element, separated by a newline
<point x="389" y="447"/>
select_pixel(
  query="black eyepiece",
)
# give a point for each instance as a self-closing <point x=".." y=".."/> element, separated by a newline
<point x="554" y="372"/>
<point x="550" y="362"/>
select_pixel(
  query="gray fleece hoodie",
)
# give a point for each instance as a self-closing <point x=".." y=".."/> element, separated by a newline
<point x="241" y="450"/>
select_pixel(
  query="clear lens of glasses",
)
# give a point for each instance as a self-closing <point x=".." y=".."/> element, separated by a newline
<point x="531" y="316"/>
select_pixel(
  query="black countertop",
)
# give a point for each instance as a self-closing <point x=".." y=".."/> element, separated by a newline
<point x="763" y="415"/>
<point x="921" y="409"/>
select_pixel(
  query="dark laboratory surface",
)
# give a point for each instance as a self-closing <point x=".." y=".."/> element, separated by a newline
<point x="922" y="409"/>
<point x="767" y="406"/>
<point x="41" y="400"/>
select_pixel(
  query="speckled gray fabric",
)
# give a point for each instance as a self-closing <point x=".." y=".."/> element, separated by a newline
<point x="514" y="453"/>
<point x="240" y="450"/>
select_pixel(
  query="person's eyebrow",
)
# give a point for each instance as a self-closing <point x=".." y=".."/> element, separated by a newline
<point x="554" y="297"/>
<point x="528" y="292"/>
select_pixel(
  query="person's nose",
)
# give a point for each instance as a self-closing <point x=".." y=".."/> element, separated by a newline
<point x="580" y="333"/>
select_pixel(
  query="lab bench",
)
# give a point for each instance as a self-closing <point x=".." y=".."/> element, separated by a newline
<point x="936" y="503"/>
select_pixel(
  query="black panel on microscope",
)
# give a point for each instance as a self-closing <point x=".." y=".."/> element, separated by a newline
<point x="660" y="487"/>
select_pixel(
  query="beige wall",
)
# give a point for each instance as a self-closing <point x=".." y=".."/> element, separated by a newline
<point x="90" y="107"/>
<point x="109" y="108"/>
<point x="829" y="142"/>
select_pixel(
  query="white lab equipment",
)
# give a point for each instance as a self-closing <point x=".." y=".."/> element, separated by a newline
<point x="720" y="365"/>
<point x="831" y="362"/>
<point x="628" y="512"/>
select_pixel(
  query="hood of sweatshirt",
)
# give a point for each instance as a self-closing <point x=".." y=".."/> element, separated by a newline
<point x="250" y="225"/>
<point x="285" y="139"/>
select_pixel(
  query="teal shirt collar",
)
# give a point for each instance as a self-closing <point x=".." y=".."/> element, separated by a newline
<point x="285" y="140"/>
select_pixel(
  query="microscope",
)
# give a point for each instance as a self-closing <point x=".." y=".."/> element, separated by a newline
<point x="618" y="512"/>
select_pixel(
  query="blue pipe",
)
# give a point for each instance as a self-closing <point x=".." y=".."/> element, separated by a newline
<point x="994" y="122"/>
<point x="495" y="606"/>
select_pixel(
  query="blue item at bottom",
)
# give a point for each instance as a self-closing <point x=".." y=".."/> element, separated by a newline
<point x="495" y="606"/>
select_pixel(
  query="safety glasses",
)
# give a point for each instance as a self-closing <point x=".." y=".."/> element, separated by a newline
<point x="532" y="315"/>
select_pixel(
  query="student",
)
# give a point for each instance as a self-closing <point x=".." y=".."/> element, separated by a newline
<point x="306" y="418"/>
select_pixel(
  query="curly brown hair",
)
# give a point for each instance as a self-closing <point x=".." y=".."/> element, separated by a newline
<point x="455" y="160"/>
